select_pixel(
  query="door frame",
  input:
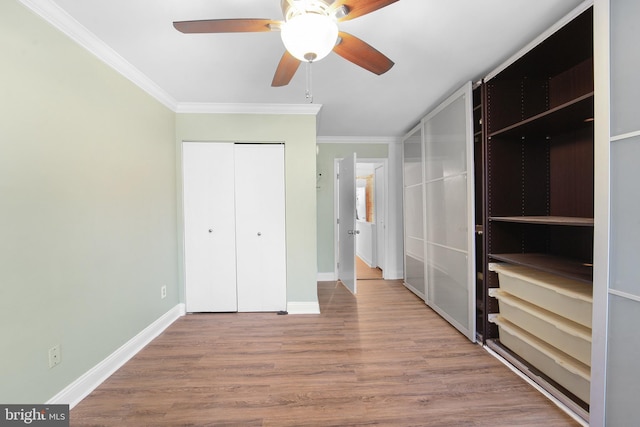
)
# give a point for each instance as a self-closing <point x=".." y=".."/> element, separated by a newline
<point x="385" y="162"/>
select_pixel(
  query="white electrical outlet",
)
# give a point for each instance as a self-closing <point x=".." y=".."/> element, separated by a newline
<point x="54" y="356"/>
<point x="163" y="292"/>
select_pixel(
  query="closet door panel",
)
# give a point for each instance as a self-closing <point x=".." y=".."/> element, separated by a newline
<point x="444" y="154"/>
<point x="413" y="213"/>
<point x="448" y="284"/>
<point x="449" y="211"/>
<point x="260" y="227"/>
<point x="623" y="376"/>
<point x="413" y="222"/>
<point x="623" y="347"/>
<point x="209" y="227"/>
<point x="446" y="214"/>
<point x="625" y="57"/>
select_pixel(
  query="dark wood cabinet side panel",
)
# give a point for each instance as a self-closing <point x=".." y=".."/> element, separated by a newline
<point x="478" y="161"/>
<point x="567" y="47"/>
<point x="535" y="181"/>
<point x="519" y="238"/>
<point x="571" y="84"/>
<point x="535" y="99"/>
<point x="572" y="242"/>
<point x="504" y="102"/>
<point x="504" y="174"/>
<point x="571" y="174"/>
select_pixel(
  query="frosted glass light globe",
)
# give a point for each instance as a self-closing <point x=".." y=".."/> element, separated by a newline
<point x="310" y="36"/>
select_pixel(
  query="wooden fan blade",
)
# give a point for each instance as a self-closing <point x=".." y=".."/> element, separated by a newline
<point x="356" y="8"/>
<point x="360" y="53"/>
<point x="286" y="70"/>
<point x="227" y="26"/>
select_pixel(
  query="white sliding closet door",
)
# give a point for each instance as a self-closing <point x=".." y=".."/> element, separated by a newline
<point x="209" y="226"/>
<point x="260" y="227"/>
<point x="449" y="214"/>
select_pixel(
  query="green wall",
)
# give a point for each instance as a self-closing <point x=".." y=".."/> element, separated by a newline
<point x="89" y="212"/>
<point x="87" y="208"/>
<point x="327" y="153"/>
<point x="298" y="132"/>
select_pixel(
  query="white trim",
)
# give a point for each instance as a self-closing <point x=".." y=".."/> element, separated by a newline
<point x="336" y="216"/>
<point x="393" y="275"/>
<point x="601" y="214"/>
<point x="329" y="276"/>
<point x="625" y="136"/>
<point x="60" y="19"/>
<point x="358" y="140"/>
<point x="542" y="37"/>
<point x="310" y="307"/>
<point x="90" y="380"/>
<point x="625" y="295"/>
<point x="215" y="108"/>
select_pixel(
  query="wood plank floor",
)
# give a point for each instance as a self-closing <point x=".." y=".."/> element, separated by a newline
<point x="381" y="358"/>
<point x="364" y="272"/>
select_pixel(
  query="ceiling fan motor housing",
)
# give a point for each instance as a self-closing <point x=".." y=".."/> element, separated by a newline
<point x="310" y="31"/>
<point x="294" y="7"/>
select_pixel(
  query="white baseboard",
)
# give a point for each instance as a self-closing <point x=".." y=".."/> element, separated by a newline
<point x="327" y="277"/>
<point x="393" y="275"/>
<point x="90" y="380"/>
<point x="303" y="308"/>
<point x="388" y="275"/>
<point x="366" y="259"/>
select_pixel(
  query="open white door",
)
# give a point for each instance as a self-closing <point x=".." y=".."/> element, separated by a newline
<point x="347" y="222"/>
<point x="380" y="217"/>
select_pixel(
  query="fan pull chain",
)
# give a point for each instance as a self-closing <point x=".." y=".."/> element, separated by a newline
<point x="308" y="92"/>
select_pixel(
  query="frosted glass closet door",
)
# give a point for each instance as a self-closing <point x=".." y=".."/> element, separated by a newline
<point x="623" y="376"/>
<point x="413" y="214"/>
<point x="449" y="247"/>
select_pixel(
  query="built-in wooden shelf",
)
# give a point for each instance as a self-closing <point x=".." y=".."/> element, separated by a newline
<point x="569" y="268"/>
<point x="575" y="113"/>
<point x="546" y="220"/>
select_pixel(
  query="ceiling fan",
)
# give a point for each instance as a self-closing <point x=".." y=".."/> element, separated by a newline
<point x="309" y="33"/>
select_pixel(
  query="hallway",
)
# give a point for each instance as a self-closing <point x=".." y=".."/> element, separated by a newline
<point x="364" y="272"/>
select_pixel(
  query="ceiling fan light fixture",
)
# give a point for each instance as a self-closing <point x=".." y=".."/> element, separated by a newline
<point x="309" y="37"/>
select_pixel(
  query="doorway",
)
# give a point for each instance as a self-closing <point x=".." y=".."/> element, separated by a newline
<point x="371" y="213"/>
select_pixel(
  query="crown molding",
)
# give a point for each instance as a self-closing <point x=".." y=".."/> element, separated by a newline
<point x="60" y="19"/>
<point x="215" y="108"/>
<point x="358" y="140"/>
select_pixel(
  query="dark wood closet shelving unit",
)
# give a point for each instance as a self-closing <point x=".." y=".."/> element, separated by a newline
<point x="478" y="150"/>
<point x="569" y="268"/>
<point x="572" y="114"/>
<point x="535" y="123"/>
<point x="549" y="220"/>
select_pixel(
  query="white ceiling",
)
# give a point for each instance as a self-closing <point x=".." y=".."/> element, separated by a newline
<point x="436" y="45"/>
